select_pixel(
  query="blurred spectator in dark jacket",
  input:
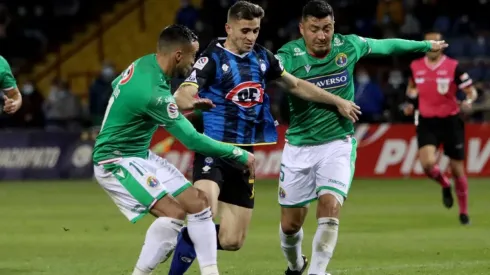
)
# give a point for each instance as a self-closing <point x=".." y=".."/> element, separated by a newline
<point x="100" y="92"/>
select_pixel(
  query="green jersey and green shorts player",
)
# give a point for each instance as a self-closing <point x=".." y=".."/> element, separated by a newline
<point x="11" y="94"/>
<point x="140" y="182"/>
<point x="318" y="160"/>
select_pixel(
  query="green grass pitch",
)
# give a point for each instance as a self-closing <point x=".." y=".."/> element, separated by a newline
<point x="387" y="227"/>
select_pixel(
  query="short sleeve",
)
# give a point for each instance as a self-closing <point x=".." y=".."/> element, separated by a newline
<point x="163" y="110"/>
<point x="361" y="44"/>
<point x="7" y="80"/>
<point x="462" y="78"/>
<point x="276" y="68"/>
<point x="203" y="73"/>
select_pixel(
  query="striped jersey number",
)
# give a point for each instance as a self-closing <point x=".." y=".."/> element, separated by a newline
<point x="125" y="77"/>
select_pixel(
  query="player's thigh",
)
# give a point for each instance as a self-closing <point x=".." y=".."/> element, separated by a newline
<point x="454" y="138"/>
<point x="134" y="190"/>
<point x="208" y="176"/>
<point x="296" y="177"/>
<point x="234" y="222"/>
<point x="167" y="175"/>
<point x="335" y="171"/>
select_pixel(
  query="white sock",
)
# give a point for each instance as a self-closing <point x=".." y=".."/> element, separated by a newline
<point x="323" y="244"/>
<point x="202" y="232"/>
<point x="291" y="247"/>
<point x="160" y="242"/>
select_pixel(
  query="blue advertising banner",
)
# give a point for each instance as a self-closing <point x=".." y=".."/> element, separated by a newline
<point x="45" y="155"/>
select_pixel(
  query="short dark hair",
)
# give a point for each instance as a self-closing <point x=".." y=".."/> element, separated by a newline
<point x="175" y="34"/>
<point x="317" y="9"/>
<point x="245" y="10"/>
<point x="434" y="31"/>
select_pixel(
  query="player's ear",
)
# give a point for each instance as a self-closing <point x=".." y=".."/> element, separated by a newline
<point x="178" y="55"/>
<point x="228" y="28"/>
<point x="301" y="28"/>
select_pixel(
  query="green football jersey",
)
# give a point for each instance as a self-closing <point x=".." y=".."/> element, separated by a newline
<point x="140" y="102"/>
<point x="7" y="80"/>
<point x="315" y="123"/>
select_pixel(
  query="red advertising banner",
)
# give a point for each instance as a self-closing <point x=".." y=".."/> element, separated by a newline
<point x="384" y="150"/>
<point x="390" y="150"/>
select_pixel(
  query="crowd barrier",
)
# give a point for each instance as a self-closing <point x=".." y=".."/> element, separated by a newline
<point x="384" y="150"/>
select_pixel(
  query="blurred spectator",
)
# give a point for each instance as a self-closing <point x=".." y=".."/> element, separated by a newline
<point x="368" y="96"/>
<point x="4" y="20"/>
<point x="31" y="114"/>
<point x="390" y="13"/>
<point x="187" y="14"/>
<point x="100" y="92"/>
<point x="62" y="109"/>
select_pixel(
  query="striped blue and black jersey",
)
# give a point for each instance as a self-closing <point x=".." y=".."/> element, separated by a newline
<point x="236" y="83"/>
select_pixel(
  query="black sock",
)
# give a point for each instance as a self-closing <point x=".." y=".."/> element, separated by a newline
<point x="217" y="237"/>
<point x="185" y="235"/>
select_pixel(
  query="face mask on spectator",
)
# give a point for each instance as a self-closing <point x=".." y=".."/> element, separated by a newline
<point x="362" y="78"/>
<point x="27" y="89"/>
<point x="108" y="72"/>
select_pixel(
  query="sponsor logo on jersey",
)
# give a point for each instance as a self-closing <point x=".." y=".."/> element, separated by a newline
<point x="192" y="77"/>
<point x="172" y="110"/>
<point x="337" y="42"/>
<point x="443" y="85"/>
<point x="127" y="74"/>
<point x="246" y="94"/>
<point x="298" y="52"/>
<point x="152" y="181"/>
<point x="278" y="57"/>
<point x="331" y="81"/>
<point x="201" y="62"/>
<point x="341" y="59"/>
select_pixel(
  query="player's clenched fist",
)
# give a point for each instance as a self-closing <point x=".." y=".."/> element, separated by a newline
<point x="348" y="109"/>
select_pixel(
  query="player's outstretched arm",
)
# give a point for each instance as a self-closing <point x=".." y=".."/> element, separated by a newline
<point x="183" y="131"/>
<point x="308" y="91"/>
<point x="401" y="46"/>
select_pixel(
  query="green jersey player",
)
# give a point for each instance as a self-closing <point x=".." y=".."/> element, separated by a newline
<point x="12" y="98"/>
<point x="319" y="156"/>
<point x="137" y="180"/>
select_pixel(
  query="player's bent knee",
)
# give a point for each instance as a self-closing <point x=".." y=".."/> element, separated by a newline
<point x="329" y="203"/>
<point x="168" y="207"/>
<point x="292" y="220"/>
<point x="193" y="200"/>
<point x="231" y="242"/>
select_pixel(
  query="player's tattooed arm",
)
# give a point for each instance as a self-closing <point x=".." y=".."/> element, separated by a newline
<point x="13" y="100"/>
<point x="310" y="92"/>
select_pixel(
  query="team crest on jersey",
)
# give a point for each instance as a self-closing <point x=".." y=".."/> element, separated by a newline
<point x="172" y="110"/>
<point x="282" y="193"/>
<point x="127" y="74"/>
<point x="201" y="62"/>
<point x="263" y="67"/>
<point x="246" y="94"/>
<point x="152" y="181"/>
<point x="341" y="59"/>
<point x="443" y="85"/>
